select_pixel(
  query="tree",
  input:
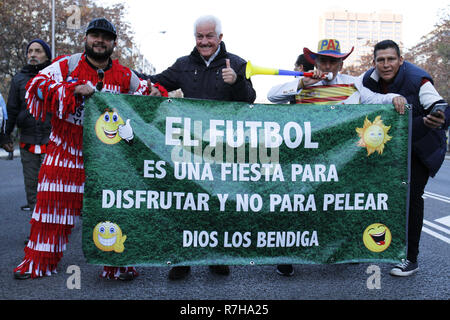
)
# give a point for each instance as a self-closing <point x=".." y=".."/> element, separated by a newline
<point x="365" y="63"/>
<point x="22" y="21"/>
<point x="433" y="55"/>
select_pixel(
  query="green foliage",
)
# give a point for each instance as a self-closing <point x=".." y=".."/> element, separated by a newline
<point x="433" y="54"/>
<point x="22" y="21"/>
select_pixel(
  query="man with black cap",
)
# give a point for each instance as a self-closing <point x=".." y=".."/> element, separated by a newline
<point x="61" y="89"/>
<point x="33" y="134"/>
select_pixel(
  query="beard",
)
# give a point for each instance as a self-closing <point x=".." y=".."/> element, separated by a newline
<point x="34" y="68"/>
<point x="97" y="56"/>
<point x="33" y="61"/>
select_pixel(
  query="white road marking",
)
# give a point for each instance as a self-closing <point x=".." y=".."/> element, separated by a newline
<point x="445" y="221"/>
<point x="433" y="225"/>
<point x="436" y="235"/>
<point x="436" y="196"/>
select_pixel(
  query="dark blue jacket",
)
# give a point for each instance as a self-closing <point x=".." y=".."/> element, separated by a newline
<point x="428" y="144"/>
<point x="198" y="81"/>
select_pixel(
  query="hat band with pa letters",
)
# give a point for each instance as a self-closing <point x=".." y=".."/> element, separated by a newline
<point x="326" y="47"/>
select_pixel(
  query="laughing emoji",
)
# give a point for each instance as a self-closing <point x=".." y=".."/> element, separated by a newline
<point x="107" y="236"/>
<point x="377" y="237"/>
<point x="107" y="127"/>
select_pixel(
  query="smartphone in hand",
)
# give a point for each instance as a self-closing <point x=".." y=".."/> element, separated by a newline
<point x="438" y="107"/>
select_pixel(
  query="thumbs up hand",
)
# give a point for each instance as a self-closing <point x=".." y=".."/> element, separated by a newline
<point x="228" y="74"/>
<point x="126" y="132"/>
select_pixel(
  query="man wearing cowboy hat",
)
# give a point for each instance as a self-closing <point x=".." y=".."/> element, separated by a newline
<point x="323" y="88"/>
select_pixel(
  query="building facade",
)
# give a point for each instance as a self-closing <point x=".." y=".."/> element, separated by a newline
<point x="360" y="30"/>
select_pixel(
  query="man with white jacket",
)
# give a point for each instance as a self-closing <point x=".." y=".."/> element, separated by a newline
<point x="336" y="88"/>
<point x="329" y="87"/>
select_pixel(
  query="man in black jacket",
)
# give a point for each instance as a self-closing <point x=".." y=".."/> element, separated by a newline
<point x="34" y="134"/>
<point x="209" y="72"/>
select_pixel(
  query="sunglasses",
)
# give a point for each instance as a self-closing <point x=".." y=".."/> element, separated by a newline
<point x="101" y="76"/>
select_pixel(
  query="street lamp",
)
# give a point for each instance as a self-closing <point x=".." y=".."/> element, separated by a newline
<point x="53" y="29"/>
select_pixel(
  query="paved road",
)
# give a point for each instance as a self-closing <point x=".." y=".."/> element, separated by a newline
<point x="310" y="282"/>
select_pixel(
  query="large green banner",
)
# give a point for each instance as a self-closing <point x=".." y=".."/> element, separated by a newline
<point x="195" y="182"/>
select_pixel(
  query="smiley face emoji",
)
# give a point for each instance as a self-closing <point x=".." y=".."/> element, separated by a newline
<point x="377" y="237"/>
<point x="107" y="127"/>
<point x="374" y="136"/>
<point x="108" y="236"/>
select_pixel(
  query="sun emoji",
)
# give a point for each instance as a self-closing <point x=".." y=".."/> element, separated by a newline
<point x="373" y="135"/>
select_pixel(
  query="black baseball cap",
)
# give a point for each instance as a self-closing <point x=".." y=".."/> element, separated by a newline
<point x="103" y="25"/>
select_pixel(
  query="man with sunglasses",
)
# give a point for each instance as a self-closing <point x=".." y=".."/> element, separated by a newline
<point x="61" y="89"/>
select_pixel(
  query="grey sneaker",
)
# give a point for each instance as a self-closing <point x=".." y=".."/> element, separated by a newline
<point x="405" y="268"/>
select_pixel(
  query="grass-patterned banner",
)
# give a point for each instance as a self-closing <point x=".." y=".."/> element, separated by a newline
<point x="196" y="182"/>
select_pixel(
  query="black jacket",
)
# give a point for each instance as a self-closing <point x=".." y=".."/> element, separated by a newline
<point x="196" y="80"/>
<point x="31" y="131"/>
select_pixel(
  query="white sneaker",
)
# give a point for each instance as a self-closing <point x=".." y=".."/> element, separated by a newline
<point x="405" y="268"/>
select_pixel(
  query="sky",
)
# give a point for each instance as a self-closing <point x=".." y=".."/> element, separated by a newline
<point x="266" y="32"/>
